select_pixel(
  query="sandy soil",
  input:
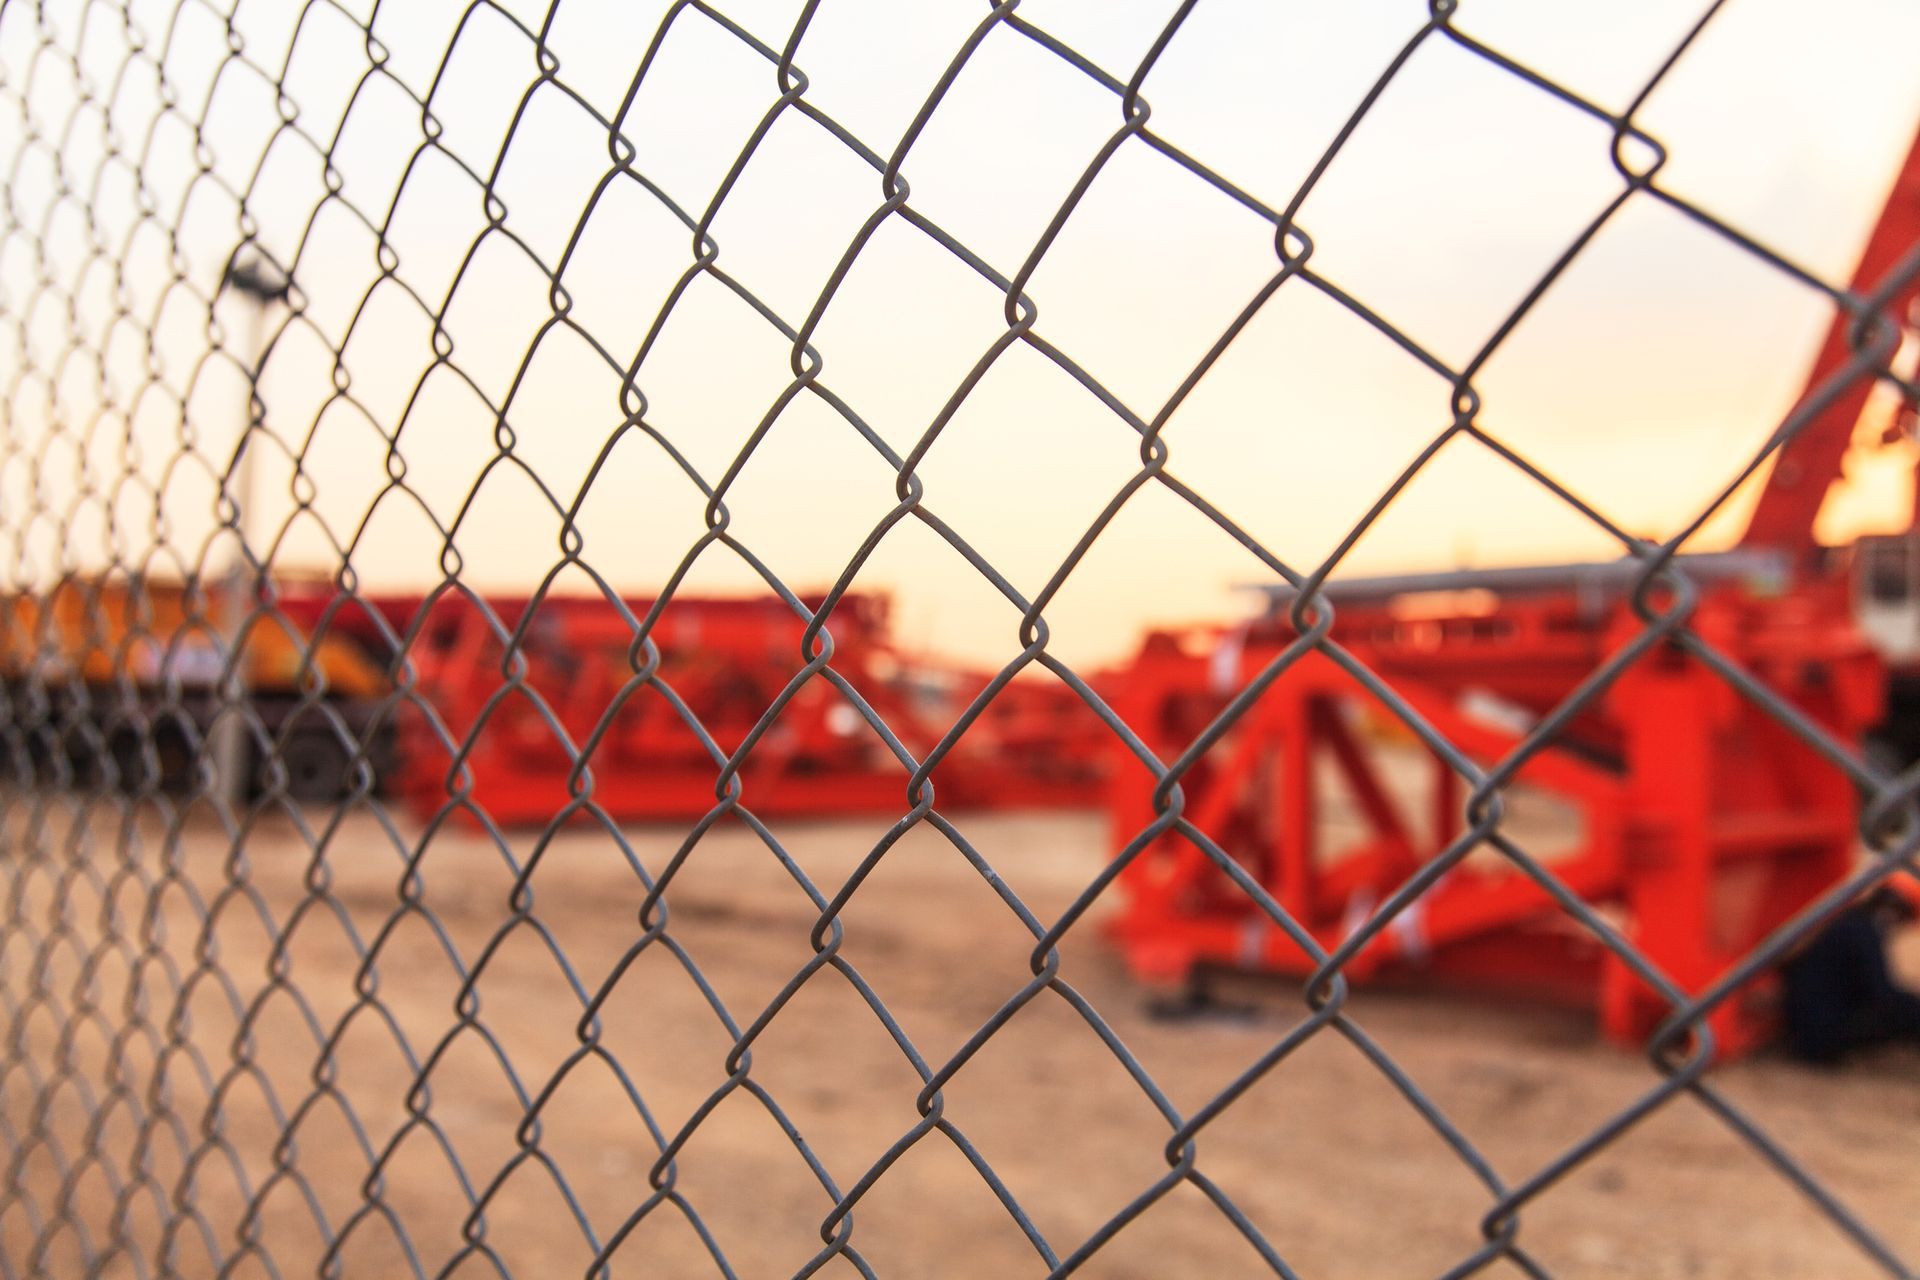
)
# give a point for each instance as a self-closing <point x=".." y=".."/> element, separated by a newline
<point x="295" y="1137"/>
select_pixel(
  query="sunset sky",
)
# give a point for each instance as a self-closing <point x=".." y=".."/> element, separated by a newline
<point x="1644" y="379"/>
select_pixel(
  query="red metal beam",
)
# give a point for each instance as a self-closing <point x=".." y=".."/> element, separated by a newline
<point x="1807" y="465"/>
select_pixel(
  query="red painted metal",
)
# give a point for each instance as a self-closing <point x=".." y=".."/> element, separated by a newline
<point x="509" y="747"/>
<point x="1701" y="823"/>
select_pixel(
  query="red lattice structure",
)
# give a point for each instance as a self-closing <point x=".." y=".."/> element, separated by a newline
<point x="577" y="666"/>
<point x="1702" y="820"/>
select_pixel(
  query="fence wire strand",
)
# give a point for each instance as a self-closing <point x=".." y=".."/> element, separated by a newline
<point x="121" y="1115"/>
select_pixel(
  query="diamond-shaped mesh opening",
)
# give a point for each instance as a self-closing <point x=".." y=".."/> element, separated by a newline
<point x="616" y="291"/>
<point x="1791" y="1231"/>
<point x="935" y="999"/>
<point x="1259" y="397"/>
<point x="545" y="193"/>
<point x="1819" y="229"/>
<point x="750" y="361"/>
<point x="490" y="354"/>
<point x="1706" y="403"/>
<point x="1018" y="1113"/>
<point x="766" y="511"/>
<point x="741" y="1138"/>
<point x="703" y="71"/>
<point x="1070" y="119"/>
<point x="906" y="298"/>
<point x="1082" y="458"/>
<point x="781" y="249"/>
<point x="370" y="153"/>
<point x="1514" y="148"/>
<point x="1142" y="333"/>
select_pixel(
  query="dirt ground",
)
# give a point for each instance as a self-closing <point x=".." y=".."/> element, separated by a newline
<point x="288" y="1080"/>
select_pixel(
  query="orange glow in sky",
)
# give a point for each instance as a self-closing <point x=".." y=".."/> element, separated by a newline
<point x="1643" y="379"/>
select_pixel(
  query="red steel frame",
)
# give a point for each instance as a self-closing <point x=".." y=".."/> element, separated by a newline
<point x="1703" y="823"/>
<point x="728" y="661"/>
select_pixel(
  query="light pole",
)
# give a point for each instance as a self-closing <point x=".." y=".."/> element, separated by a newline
<point x="262" y="286"/>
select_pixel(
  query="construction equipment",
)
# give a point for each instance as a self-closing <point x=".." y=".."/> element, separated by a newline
<point x="517" y="703"/>
<point x="1684" y="812"/>
<point x="132" y="667"/>
<point x="416" y="690"/>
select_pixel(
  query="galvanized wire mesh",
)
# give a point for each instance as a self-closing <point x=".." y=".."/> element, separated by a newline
<point x="148" y="1130"/>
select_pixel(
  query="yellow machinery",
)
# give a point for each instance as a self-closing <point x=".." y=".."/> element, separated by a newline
<point x="129" y="674"/>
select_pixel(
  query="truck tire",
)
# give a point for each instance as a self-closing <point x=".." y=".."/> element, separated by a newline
<point x="316" y="765"/>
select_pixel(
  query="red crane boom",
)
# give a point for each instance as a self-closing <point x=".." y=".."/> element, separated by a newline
<point x="1808" y="465"/>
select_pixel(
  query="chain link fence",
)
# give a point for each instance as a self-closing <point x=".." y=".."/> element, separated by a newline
<point x="260" y="1021"/>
